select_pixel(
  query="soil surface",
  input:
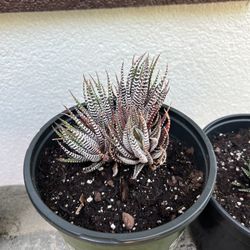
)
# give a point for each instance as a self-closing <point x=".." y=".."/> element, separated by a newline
<point x="233" y="153"/>
<point x="100" y="202"/>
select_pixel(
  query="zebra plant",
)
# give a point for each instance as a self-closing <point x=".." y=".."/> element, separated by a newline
<point x="121" y="126"/>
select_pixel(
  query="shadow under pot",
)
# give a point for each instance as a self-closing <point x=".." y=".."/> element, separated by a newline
<point x="162" y="237"/>
<point x="224" y="224"/>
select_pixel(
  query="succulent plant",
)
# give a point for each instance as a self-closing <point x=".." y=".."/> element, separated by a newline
<point x="123" y="125"/>
<point x="242" y="187"/>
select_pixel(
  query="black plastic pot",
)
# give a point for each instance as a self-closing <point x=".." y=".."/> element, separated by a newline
<point x="215" y="229"/>
<point x="162" y="237"/>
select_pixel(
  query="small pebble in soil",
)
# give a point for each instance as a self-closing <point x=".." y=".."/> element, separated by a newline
<point x="90" y="181"/>
<point x="110" y="183"/>
<point x="181" y="211"/>
<point x="128" y="220"/>
<point x="97" y="196"/>
<point x="101" y="210"/>
<point x="89" y="199"/>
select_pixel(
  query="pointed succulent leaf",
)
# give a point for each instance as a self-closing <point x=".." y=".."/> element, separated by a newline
<point x="246" y="190"/>
<point x="145" y="133"/>
<point x="96" y="128"/>
<point x="69" y="160"/>
<point x="118" y="146"/>
<point x="131" y="77"/>
<point x="93" y="104"/>
<point x="94" y="166"/>
<point x="122" y="87"/>
<point x="79" y="136"/>
<point x="125" y="140"/>
<point x="79" y="149"/>
<point x="72" y="155"/>
<point x="127" y="161"/>
<point x="157" y="153"/>
<point x="152" y="68"/>
<point x="137" y="169"/>
<point x="164" y="139"/>
<point x="246" y="172"/>
<point x="149" y="157"/>
<point x="136" y="148"/>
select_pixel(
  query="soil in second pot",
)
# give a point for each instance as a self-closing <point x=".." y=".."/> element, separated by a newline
<point x="100" y="202"/>
<point x="233" y="153"/>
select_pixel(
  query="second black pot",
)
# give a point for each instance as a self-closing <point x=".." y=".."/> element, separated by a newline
<point x="215" y="229"/>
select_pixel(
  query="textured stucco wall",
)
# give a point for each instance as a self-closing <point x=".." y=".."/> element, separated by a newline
<point x="42" y="55"/>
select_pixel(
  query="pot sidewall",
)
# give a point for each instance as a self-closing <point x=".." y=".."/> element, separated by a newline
<point x="169" y="242"/>
<point x="215" y="226"/>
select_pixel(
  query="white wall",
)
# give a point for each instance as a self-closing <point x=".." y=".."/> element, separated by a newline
<point x="42" y="55"/>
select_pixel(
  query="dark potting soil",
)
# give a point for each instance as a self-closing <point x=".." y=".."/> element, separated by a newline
<point x="233" y="153"/>
<point x="156" y="197"/>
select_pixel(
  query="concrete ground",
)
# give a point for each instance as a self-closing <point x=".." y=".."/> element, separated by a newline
<point x="22" y="228"/>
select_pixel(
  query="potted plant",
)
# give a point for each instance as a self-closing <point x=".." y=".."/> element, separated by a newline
<point x="225" y="223"/>
<point x="111" y="174"/>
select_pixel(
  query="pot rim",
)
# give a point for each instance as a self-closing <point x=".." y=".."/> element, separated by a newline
<point x="233" y="118"/>
<point x="124" y="238"/>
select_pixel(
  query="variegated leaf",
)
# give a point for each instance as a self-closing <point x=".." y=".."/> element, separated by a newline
<point x="137" y="169"/>
<point x="94" y="166"/>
